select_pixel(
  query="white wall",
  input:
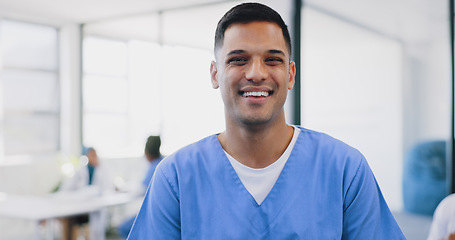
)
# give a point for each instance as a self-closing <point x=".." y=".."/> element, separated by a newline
<point x="381" y="88"/>
<point x="352" y="90"/>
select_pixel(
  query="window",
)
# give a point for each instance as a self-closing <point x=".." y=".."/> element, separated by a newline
<point x="31" y="99"/>
<point x="163" y="82"/>
<point x="121" y="97"/>
<point x="133" y="89"/>
<point x="192" y="109"/>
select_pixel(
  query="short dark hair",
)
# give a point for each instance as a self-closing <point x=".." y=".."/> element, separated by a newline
<point x="247" y="13"/>
<point x="152" y="147"/>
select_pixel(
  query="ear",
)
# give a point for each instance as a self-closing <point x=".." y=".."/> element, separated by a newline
<point x="291" y="75"/>
<point x="213" y="75"/>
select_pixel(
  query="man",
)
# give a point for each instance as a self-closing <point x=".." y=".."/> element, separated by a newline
<point x="153" y="155"/>
<point x="261" y="178"/>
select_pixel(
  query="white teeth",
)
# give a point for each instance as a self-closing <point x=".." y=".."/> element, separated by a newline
<point x="255" y="94"/>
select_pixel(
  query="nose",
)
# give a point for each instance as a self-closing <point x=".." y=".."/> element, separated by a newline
<point x="256" y="71"/>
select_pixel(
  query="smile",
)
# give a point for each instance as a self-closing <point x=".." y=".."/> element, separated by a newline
<point x="256" y="94"/>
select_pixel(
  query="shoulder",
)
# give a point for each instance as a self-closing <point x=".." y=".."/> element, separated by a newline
<point x="194" y="162"/>
<point x="448" y="201"/>
<point x="330" y="156"/>
<point x="192" y="155"/>
<point x="322" y="142"/>
<point x="192" y="151"/>
<point x="446" y="207"/>
<point x="443" y="219"/>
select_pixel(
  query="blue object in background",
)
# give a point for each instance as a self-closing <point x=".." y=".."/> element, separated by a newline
<point x="424" y="177"/>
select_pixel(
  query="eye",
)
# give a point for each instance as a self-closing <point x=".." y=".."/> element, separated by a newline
<point x="238" y="61"/>
<point x="272" y="61"/>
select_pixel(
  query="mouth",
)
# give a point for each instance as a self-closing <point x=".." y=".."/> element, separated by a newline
<point x="255" y="93"/>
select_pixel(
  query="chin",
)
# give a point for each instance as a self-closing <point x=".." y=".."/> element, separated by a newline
<point x="255" y="120"/>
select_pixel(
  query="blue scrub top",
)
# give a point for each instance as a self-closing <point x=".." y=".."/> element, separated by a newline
<point x="326" y="190"/>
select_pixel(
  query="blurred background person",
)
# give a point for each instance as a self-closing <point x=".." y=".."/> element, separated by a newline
<point x="443" y="225"/>
<point x="92" y="179"/>
<point x="154" y="157"/>
<point x="92" y="174"/>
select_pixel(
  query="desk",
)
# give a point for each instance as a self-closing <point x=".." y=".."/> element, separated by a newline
<point x="52" y="206"/>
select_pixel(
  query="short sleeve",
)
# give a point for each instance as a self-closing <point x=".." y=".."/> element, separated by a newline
<point x="159" y="216"/>
<point x="366" y="214"/>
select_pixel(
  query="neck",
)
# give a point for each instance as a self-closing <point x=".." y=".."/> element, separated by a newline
<point x="256" y="146"/>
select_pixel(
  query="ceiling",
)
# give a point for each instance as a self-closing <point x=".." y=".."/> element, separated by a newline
<point x="59" y="12"/>
<point x="397" y="19"/>
<point x="85" y="11"/>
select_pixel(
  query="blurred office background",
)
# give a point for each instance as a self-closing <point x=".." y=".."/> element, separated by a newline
<point x="376" y="74"/>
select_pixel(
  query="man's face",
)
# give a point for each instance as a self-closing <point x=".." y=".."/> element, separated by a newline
<point x="253" y="72"/>
<point x="92" y="158"/>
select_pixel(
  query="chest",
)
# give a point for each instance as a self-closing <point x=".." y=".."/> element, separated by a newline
<point x="218" y="206"/>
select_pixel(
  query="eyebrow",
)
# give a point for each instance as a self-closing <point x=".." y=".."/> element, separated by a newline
<point x="273" y="51"/>
<point x="233" y="52"/>
<point x="277" y="52"/>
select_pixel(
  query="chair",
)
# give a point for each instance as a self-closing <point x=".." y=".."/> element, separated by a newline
<point x="424" y="177"/>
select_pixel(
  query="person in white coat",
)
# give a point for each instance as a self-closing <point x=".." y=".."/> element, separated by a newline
<point x="90" y="180"/>
<point x="443" y="225"/>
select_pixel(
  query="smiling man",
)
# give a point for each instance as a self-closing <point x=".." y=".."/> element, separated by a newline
<point x="262" y="178"/>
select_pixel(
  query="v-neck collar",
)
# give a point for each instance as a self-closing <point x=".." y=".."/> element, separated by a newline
<point x="276" y="199"/>
<point x="221" y="156"/>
